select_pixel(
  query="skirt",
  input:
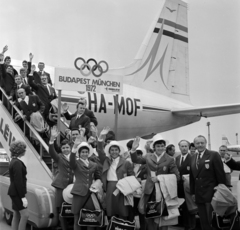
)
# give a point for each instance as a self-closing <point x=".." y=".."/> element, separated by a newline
<point x="17" y="203"/>
<point x="78" y="202"/>
<point x="115" y="204"/>
<point x="58" y="197"/>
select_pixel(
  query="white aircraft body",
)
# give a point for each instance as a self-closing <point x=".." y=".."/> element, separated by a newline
<point x="233" y="148"/>
<point x="155" y="85"/>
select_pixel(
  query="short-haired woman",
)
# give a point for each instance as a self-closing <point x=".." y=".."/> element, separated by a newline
<point x="18" y="185"/>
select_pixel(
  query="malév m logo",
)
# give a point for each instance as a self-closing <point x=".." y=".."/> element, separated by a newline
<point x="151" y="58"/>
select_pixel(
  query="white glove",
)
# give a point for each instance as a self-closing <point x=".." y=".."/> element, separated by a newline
<point x="25" y="202"/>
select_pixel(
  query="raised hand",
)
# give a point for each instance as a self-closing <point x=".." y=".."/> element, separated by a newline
<point x="93" y="129"/>
<point x="54" y="133"/>
<point x="91" y="139"/>
<point x="135" y="143"/>
<point x="105" y="131"/>
<point x="79" y="139"/>
<point x="227" y="156"/>
<point x="82" y="131"/>
<point x="5" y="48"/>
<point x="65" y="107"/>
<point x="147" y="146"/>
<point x="31" y="56"/>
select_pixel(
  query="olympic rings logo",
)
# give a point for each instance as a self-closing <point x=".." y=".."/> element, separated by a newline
<point x="97" y="69"/>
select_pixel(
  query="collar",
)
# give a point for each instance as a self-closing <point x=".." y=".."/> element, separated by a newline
<point x="116" y="160"/>
<point x="184" y="157"/>
<point x="86" y="162"/>
<point x="79" y="115"/>
<point x="19" y="85"/>
<point x="201" y="155"/>
<point x="158" y="157"/>
<point x="26" y="99"/>
<point x="67" y="156"/>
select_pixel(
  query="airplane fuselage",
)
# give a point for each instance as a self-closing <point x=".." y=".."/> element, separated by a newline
<point x="140" y="112"/>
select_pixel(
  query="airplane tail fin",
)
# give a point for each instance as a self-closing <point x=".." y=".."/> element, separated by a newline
<point x="225" y="140"/>
<point x="161" y="64"/>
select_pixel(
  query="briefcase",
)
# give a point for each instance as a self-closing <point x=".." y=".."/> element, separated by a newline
<point x="117" y="223"/>
<point x="231" y="222"/>
<point x="66" y="211"/>
<point x="91" y="218"/>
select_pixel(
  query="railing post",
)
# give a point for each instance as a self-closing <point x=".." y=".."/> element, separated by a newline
<point x="41" y="150"/>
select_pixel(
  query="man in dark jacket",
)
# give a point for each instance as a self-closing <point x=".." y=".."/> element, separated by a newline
<point x="183" y="162"/>
<point x="206" y="173"/>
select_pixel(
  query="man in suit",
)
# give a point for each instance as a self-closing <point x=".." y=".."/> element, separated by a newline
<point x="183" y="162"/>
<point x="80" y="120"/>
<point x="29" y="104"/>
<point x="45" y="91"/>
<point x="8" y="80"/>
<point x="41" y="72"/>
<point x="231" y="163"/>
<point x="19" y="85"/>
<point x="206" y="173"/>
<point x="87" y="112"/>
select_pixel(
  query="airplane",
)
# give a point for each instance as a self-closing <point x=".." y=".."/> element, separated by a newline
<point x="156" y="94"/>
<point x="232" y="148"/>
<point x="155" y="99"/>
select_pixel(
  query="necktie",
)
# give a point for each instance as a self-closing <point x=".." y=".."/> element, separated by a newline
<point x="181" y="161"/>
<point x="198" y="160"/>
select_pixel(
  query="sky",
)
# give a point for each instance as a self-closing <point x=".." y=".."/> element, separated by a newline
<point x="58" y="31"/>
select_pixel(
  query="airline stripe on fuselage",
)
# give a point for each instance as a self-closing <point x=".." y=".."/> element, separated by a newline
<point x="173" y="24"/>
<point x="172" y="35"/>
<point x="155" y="109"/>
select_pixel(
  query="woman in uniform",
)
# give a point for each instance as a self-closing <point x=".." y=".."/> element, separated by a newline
<point x="65" y="175"/>
<point x="18" y="185"/>
<point x="85" y="172"/>
<point x="115" y="167"/>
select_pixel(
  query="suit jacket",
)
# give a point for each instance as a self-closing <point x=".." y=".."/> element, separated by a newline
<point x="84" y="121"/>
<point x="124" y="167"/>
<point x="18" y="179"/>
<point x="23" y="86"/>
<point x="209" y="174"/>
<point x="65" y="175"/>
<point x="37" y="77"/>
<point x="183" y="169"/>
<point x="87" y="112"/>
<point x="166" y="165"/>
<point x="34" y="105"/>
<point x="43" y="93"/>
<point x="8" y="80"/>
<point x="234" y="165"/>
<point x="84" y="175"/>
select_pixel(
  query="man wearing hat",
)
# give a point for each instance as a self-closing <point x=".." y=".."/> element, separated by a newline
<point x="157" y="163"/>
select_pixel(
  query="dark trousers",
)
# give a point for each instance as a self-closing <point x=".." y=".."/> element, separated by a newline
<point x="205" y="214"/>
<point x="188" y="219"/>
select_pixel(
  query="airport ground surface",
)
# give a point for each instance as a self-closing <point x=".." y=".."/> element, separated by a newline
<point x="235" y="178"/>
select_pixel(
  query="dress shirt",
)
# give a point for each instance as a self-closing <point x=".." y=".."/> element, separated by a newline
<point x="66" y="156"/>
<point x="79" y="115"/>
<point x="26" y="99"/>
<point x="111" y="175"/>
<point x="158" y="157"/>
<point x="19" y="86"/>
<point x="183" y="158"/>
<point x="201" y="154"/>
<point x="86" y="162"/>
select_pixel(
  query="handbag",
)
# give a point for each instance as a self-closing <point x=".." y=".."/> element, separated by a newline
<point x="153" y="208"/>
<point x="231" y="222"/>
<point x="66" y="211"/>
<point x="117" y="223"/>
<point x="91" y="218"/>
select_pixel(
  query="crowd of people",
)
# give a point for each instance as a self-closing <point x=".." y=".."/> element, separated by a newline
<point x="159" y="188"/>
